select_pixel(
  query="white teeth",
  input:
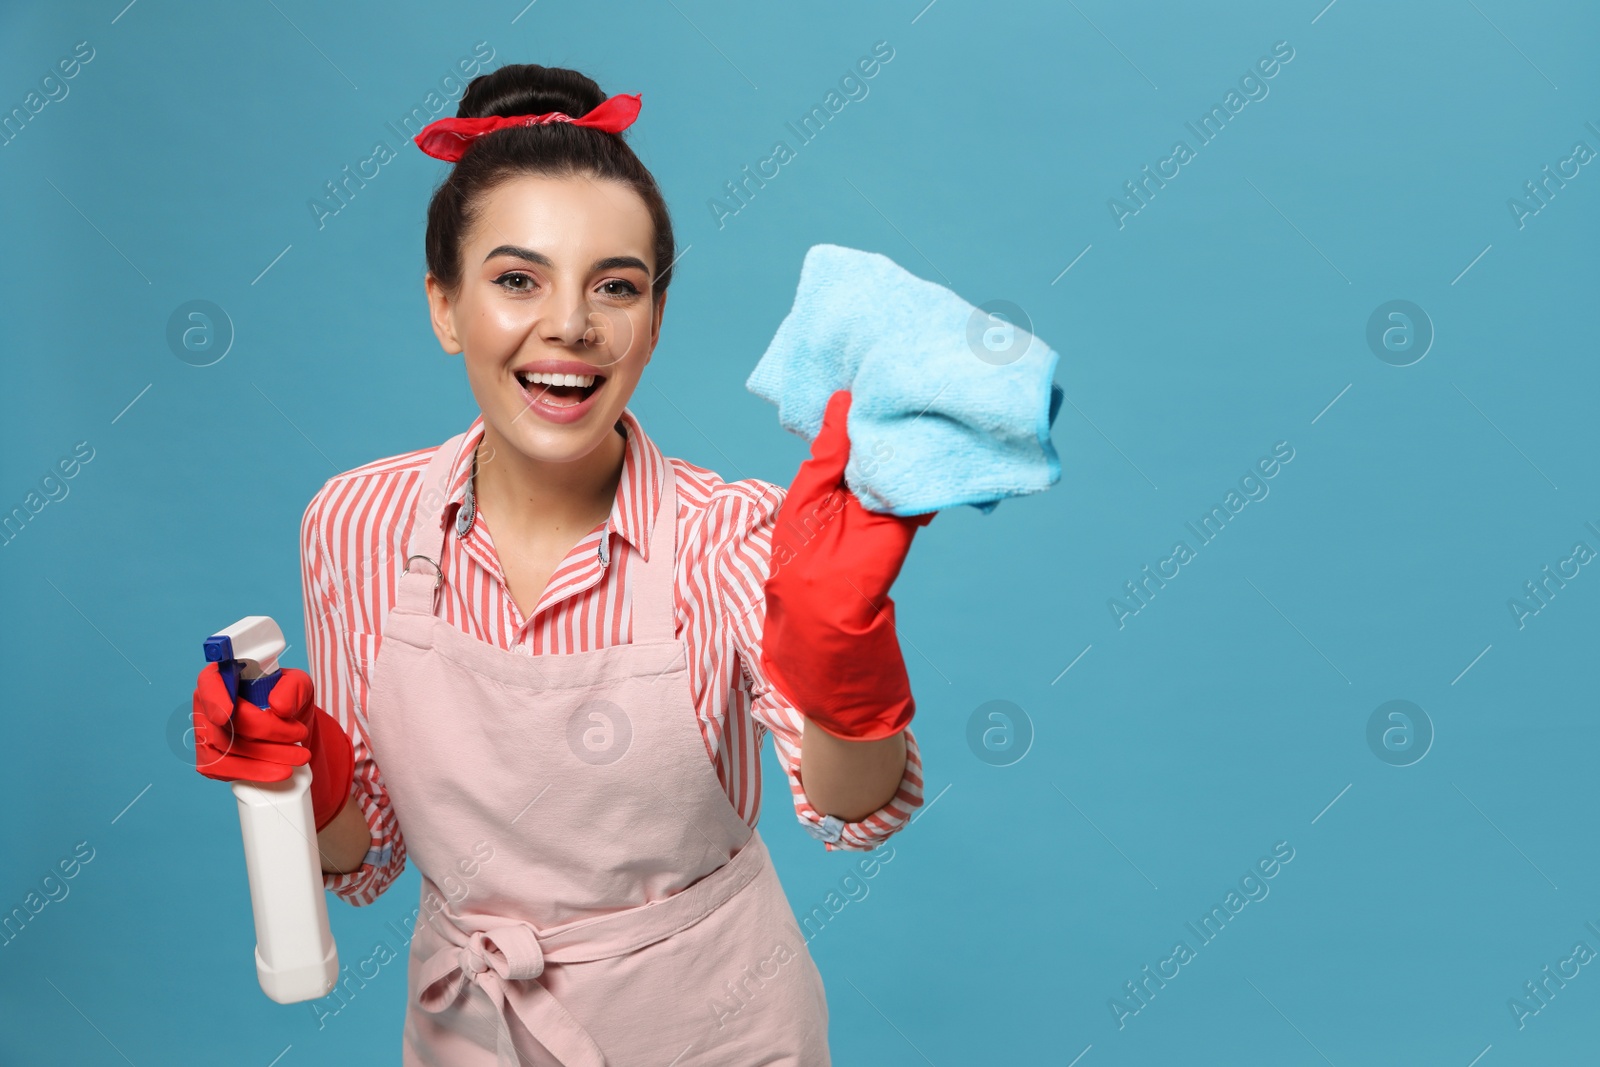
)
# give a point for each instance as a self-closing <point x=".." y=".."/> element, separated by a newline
<point x="556" y="379"/>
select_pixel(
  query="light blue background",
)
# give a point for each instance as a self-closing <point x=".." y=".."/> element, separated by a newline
<point x="1224" y="317"/>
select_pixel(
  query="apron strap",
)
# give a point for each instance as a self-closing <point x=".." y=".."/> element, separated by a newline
<point x="422" y="574"/>
<point x="653" y="603"/>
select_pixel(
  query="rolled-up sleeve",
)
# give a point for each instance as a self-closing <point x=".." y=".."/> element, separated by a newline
<point x="750" y="509"/>
<point x="338" y="675"/>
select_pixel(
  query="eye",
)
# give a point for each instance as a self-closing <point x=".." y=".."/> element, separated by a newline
<point x="628" y="288"/>
<point x="516" y="275"/>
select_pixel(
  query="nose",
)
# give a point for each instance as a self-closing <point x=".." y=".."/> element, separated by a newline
<point x="568" y="319"/>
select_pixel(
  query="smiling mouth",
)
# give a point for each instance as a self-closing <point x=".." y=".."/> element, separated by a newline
<point x="560" y="390"/>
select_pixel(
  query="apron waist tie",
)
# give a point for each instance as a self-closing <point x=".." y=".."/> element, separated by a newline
<point x="505" y="960"/>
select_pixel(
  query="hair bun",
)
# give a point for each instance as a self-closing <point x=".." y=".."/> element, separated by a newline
<point x="530" y="89"/>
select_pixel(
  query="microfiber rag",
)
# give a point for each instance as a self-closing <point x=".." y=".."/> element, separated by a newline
<point x="949" y="404"/>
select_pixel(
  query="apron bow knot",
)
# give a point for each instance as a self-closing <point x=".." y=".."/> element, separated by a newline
<point x="491" y="959"/>
<point x="512" y="952"/>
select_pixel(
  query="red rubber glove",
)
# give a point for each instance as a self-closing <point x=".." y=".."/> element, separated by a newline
<point x="830" y="642"/>
<point x="234" y="740"/>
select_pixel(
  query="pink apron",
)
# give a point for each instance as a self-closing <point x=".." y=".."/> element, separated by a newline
<point x="590" y="897"/>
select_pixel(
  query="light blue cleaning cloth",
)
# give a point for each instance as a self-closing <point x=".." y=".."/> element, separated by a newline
<point x="949" y="404"/>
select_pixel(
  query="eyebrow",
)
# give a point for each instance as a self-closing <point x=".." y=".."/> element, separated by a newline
<point x="608" y="263"/>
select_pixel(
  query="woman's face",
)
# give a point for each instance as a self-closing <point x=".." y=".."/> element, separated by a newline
<point x="555" y="278"/>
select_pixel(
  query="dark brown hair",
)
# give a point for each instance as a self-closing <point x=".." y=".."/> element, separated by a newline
<point x="557" y="149"/>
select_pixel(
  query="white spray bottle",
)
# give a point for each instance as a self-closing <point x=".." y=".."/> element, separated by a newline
<point x="296" y="958"/>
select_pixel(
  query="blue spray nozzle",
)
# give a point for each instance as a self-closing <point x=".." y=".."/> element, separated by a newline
<point x="219" y="650"/>
<point x="256" y="690"/>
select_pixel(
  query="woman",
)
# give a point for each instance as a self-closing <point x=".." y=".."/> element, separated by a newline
<point x="561" y="724"/>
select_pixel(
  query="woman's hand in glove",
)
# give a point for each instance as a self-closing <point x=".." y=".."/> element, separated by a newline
<point x="234" y="740"/>
<point x="829" y="642"/>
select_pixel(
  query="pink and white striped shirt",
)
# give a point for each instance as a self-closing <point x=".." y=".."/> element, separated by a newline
<point x="352" y="543"/>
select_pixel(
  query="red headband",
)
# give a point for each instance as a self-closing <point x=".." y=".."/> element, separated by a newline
<point x="449" y="139"/>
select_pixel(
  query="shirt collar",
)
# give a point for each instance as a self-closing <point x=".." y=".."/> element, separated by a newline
<point x="638" y="490"/>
